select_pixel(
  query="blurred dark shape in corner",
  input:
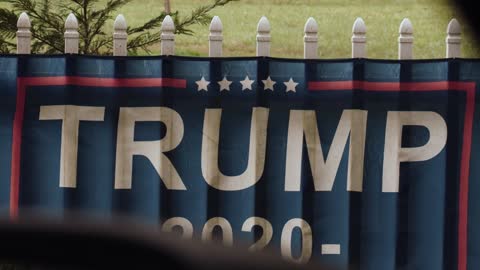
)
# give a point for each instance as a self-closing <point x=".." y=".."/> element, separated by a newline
<point x="470" y="12"/>
<point x="78" y="241"/>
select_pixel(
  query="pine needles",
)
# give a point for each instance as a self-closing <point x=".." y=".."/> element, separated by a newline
<point x="48" y="19"/>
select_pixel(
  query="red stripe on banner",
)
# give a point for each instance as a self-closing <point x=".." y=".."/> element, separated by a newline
<point x="16" y="148"/>
<point x="24" y="82"/>
<point x="464" y="176"/>
<point x="469" y="88"/>
<point x="380" y="86"/>
<point x="105" y="82"/>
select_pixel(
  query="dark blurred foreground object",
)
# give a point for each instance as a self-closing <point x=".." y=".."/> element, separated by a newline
<point x="81" y="243"/>
<point x="470" y="11"/>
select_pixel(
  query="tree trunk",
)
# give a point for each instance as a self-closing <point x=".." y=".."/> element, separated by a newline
<point x="167" y="6"/>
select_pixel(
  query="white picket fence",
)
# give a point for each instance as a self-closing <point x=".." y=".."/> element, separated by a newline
<point x="359" y="39"/>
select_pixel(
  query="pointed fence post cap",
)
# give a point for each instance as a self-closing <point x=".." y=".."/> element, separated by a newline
<point x="359" y="26"/>
<point x="454" y="27"/>
<point x="216" y="25"/>
<point x="23" y="21"/>
<point x="120" y="23"/>
<point x="263" y="25"/>
<point x="71" y="22"/>
<point x="406" y="27"/>
<point x="167" y="24"/>
<point x="311" y="26"/>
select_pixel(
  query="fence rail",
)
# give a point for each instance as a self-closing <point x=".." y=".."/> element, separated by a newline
<point x="215" y="38"/>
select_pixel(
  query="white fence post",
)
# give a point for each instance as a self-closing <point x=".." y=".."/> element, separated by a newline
<point x="215" y="38"/>
<point x="263" y="37"/>
<point x="167" y="36"/>
<point x="359" y="38"/>
<point x="120" y="36"/>
<point x="23" y="34"/>
<point x="405" y="40"/>
<point x="310" y="39"/>
<point x="453" y="39"/>
<point x="71" y="34"/>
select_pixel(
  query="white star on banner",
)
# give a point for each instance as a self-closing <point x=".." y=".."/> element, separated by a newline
<point x="224" y="84"/>
<point x="202" y="84"/>
<point x="268" y="83"/>
<point x="291" y="85"/>
<point x="247" y="83"/>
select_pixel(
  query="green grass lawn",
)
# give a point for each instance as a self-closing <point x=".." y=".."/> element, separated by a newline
<point x="334" y="17"/>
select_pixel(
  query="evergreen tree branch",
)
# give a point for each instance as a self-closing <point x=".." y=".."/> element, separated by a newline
<point x="8" y="24"/>
<point x="199" y="16"/>
<point x="48" y="18"/>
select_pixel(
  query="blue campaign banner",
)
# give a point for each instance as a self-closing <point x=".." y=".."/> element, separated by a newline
<point x="364" y="163"/>
<point x="8" y="76"/>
